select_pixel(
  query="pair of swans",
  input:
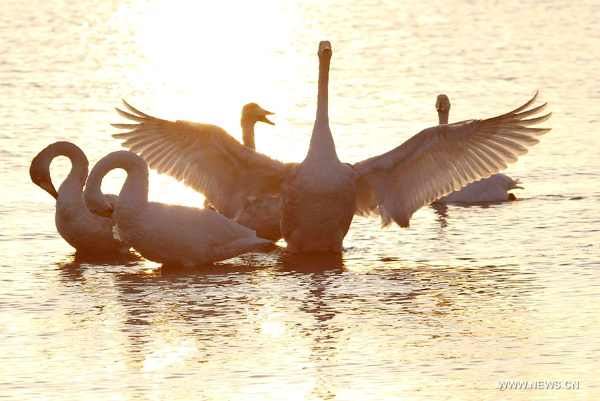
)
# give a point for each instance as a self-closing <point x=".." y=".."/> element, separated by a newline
<point x="491" y="189"/>
<point x="321" y="194"/>
<point x="159" y="232"/>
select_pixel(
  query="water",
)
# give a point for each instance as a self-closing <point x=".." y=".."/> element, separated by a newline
<point x="465" y="298"/>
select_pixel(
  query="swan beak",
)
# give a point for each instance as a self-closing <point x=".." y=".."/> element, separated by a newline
<point x="324" y="48"/>
<point x="49" y="187"/>
<point x="442" y="103"/>
<point x="439" y="105"/>
<point x="264" y="118"/>
<point x="106" y="213"/>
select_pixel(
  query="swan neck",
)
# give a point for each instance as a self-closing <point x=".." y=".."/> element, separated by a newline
<point x="323" y="91"/>
<point x="443" y="116"/>
<point x="134" y="194"/>
<point x="321" y="142"/>
<point x="76" y="178"/>
<point x="248" y="133"/>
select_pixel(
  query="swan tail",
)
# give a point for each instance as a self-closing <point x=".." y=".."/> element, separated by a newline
<point x="517" y="184"/>
<point x="242" y="245"/>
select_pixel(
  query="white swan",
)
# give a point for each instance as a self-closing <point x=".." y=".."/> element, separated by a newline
<point x="321" y="194"/>
<point x="491" y="189"/>
<point x="165" y="233"/>
<point x="261" y="214"/>
<point x="83" y="230"/>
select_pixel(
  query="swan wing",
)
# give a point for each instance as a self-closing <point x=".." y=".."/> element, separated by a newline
<point x="442" y="159"/>
<point x="204" y="157"/>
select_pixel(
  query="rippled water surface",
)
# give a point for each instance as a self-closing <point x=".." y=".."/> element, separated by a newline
<point x="465" y="298"/>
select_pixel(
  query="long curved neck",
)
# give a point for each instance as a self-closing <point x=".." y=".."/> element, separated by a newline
<point x="134" y="194"/>
<point x="71" y="187"/>
<point x="248" y="133"/>
<point x="321" y="142"/>
<point x="443" y="116"/>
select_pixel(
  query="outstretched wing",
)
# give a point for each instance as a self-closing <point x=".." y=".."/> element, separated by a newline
<point x="443" y="159"/>
<point x="204" y="157"/>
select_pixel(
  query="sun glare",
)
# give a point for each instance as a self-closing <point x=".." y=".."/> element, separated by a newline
<point x="214" y="57"/>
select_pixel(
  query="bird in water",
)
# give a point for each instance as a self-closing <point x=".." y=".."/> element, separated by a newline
<point x="492" y="189"/>
<point x="321" y="194"/>
<point x="84" y="231"/>
<point x="170" y="234"/>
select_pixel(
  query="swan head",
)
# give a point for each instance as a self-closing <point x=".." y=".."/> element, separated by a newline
<point x="324" y="49"/>
<point x="442" y="104"/>
<point x="39" y="171"/>
<point x="99" y="204"/>
<point x="252" y="113"/>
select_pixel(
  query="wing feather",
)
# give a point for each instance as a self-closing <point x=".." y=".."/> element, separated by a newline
<point x="204" y="157"/>
<point x="442" y="159"/>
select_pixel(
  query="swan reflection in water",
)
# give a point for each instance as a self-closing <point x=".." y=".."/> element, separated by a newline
<point x="78" y="263"/>
<point x="309" y="317"/>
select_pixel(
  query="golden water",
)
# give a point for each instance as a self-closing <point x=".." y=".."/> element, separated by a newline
<point x="465" y="298"/>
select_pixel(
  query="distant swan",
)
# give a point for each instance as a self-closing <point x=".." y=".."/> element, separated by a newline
<point x="262" y="214"/>
<point x="491" y="189"/>
<point x="163" y="233"/>
<point x="321" y="194"/>
<point x="83" y="230"/>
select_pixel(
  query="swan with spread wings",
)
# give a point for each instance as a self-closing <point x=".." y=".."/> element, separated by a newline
<point x="321" y="194"/>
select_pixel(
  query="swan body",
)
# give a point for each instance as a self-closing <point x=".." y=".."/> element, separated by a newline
<point x="263" y="215"/>
<point x="319" y="197"/>
<point x="491" y="189"/>
<point x="321" y="194"/>
<point x="318" y="226"/>
<point x="163" y="233"/>
<point x="83" y="230"/>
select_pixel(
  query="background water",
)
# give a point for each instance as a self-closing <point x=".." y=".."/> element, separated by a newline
<point x="465" y="298"/>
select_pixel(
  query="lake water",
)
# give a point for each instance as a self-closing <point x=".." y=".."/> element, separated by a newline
<point x="465" y="298"/>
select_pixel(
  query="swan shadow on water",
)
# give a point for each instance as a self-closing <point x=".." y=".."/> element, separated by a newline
<point x="273" y="257"/>
<point x="441" y="209"/>
<point x="312" y="262"/>
<point x="78" y="262"/>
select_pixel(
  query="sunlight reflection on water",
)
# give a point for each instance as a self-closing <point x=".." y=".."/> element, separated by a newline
<point x="466" y="297"/>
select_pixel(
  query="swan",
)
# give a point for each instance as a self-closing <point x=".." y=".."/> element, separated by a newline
<point x="83" y="230"/>
<point x="491" y="189"/>
<point x="261" y="214"/>
<point x="321" y="194"/>
<point x="163" y="233"/>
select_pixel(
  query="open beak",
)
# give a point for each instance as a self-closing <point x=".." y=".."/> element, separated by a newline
<point x="106" y="213"/>
<point x="49" y="187"/>
<point x="264" y="118"/>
